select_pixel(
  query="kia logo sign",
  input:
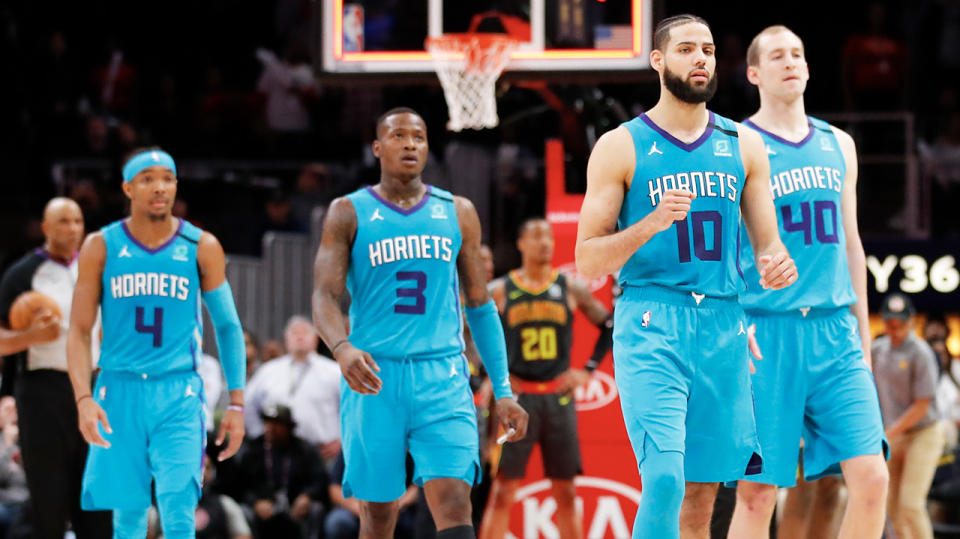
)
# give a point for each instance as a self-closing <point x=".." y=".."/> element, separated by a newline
<point x="598" y="392"/>
<point x="570" y="270"/>
<point x="608" y="508"/>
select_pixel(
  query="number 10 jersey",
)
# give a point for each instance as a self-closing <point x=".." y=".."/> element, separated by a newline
<point x="150" y="302"/>
<point x="403" y="281"/>
<point x="700" y="253"/>
<point x="806" y="182"/>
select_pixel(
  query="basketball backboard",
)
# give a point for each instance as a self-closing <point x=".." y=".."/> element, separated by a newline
<point x="387" y="36"/>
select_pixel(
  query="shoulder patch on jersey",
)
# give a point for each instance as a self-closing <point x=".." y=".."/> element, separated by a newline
<point x="438" y="211"/>
<point x="180" y="253"/>
<point x="721" y="148"/>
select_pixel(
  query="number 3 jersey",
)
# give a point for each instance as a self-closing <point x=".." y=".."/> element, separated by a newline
<point x="403" y="281"/>
<point x="150" y="302"/>
<point x="806" y="181"/>
<point x="698" y="254"/>
<point x="537" y="324"/>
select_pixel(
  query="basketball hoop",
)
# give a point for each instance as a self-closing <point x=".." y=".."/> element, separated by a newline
<point x="468" y="66"/>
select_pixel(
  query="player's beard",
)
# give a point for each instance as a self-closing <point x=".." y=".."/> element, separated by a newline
<point x="685" y="91"/>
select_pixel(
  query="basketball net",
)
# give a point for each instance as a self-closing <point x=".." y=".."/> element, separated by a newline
<point x="468" y="66"/>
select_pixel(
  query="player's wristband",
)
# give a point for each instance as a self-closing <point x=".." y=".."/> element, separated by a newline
<point x="333" y="351"/>
<point x="226" y="324"/>
<point x="235" y="408"/>
<point x="487" y="333"/>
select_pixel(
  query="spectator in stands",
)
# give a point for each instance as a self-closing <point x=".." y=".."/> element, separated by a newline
<point x="948" y="389"/>
<point x="97" y="138"/>
<point x="114" y="81"/>
<point x="285" y="479"/>
<point x="905" y="370"/>
<point x="13" y="479"/>
<point x="314" y="189"/>
<point x="874" y="65"/>
<point x="306" y="382"/>
<point x="272" y="349"/>
<point x="343" y="519"/>
<point x="290" y="89"/>
<point x="213" y="384"/>
<point x="253" y="352"/>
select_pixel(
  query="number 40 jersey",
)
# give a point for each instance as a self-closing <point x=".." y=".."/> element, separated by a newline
<point x="150" y="302"/>
<point x="403" y="281"/>
<point x="806" y="181"/>
<point x="698" y="254"/>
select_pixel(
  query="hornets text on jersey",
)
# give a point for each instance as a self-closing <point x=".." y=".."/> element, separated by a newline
<point x="698" y="254"/>
<point x="806" y="181"/>
<point x="403" y="282"/>
<point x="151" y="302"/>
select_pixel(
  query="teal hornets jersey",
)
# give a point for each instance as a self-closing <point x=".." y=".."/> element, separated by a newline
<point x="403" y="282"/>
<point x="806" y="181"/>
<point x="698" y="254"/>
<point x="150" y="302"/>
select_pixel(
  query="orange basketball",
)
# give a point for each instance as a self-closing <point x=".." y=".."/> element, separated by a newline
<point x="28" y="305"/>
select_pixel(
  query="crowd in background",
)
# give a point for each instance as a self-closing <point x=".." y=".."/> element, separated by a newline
<point x="81" y="88"/>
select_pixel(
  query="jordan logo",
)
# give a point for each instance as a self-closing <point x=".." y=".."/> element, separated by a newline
<point x="653" y="149"/>
<point x="453" y="371"/>
<point x="124" y="253"/>
<point x="189" y="392"/>
<point x="804" y="311"/>
<point x="770" y="151"/>
<point x="698" y="297"/>
<point x="103" y="393"/>
<point x="376" y="215"/>
<point x="741" y="331"/>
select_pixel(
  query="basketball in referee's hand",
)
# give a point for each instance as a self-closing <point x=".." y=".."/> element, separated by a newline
<point x="28" y="306"/>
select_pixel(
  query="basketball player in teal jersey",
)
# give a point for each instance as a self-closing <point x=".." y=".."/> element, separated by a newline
<point x="144" y="419"/>
<point x="397" y="247"/>
<point x="665" y="193"/>
<point x="815" y="381"/>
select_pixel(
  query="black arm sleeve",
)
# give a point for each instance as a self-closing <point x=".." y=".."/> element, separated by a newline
<point x="603" y="345"/>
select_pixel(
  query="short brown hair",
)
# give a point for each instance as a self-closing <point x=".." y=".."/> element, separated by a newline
<point x="661" y="36"/>
<point x="753" y="51"/>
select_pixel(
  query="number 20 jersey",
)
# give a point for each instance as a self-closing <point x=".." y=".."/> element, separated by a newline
<point x="403" y="281"/>
<point x="150" y="302"/>
<point x="698" y="254"/>
<point x="806" y="182"/>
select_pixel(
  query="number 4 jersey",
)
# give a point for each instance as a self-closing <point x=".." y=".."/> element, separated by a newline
<point x="403" y="282"/>
<point x="806" y="181"/>
<point x="698" y="254"/>
<point x="150" y="302"/>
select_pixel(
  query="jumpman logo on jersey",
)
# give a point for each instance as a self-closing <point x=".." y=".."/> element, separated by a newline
<point x="376" y="216"/>
<point x="124" y="253"/>
<point x="189" y="392"/>
<point x="515" y="294"/>
<point x="804" y="311"/>
<point x="653" y="149"/>
<point x="741" y="331"/>
<point x="453" y="371"/>
<point x="698" y="297"/>
<point x="770" y="151"/>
